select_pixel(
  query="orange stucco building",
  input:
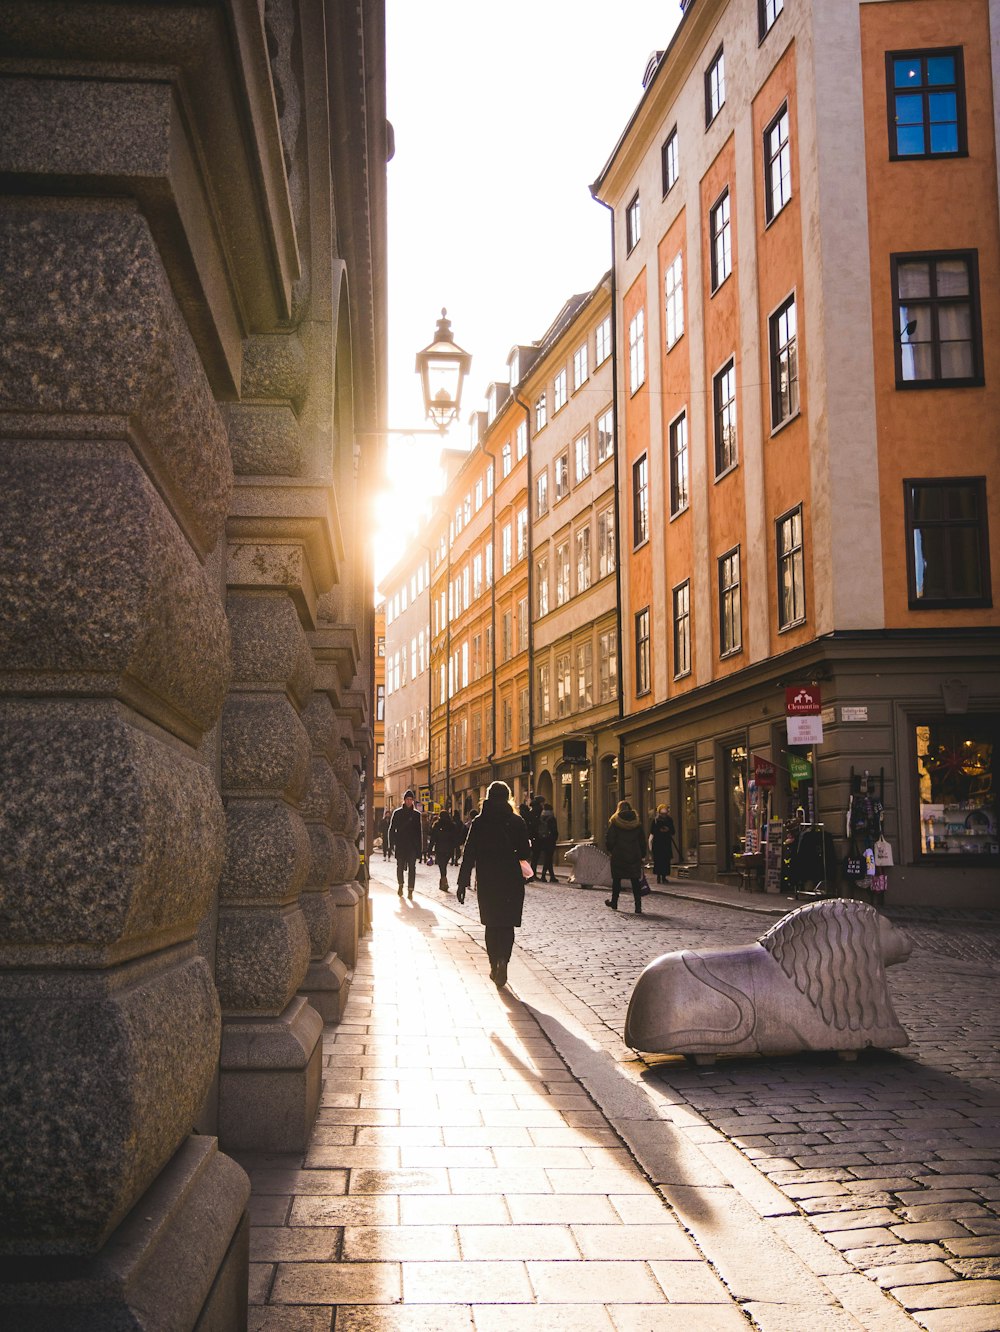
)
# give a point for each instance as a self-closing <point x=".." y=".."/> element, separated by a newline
<point x="807" y="299"/>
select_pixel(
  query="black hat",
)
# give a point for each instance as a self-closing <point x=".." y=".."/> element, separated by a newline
<point x="409" y="795"/>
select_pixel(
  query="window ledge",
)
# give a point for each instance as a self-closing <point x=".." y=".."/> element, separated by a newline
<point x="679" y="512"/>
<point x="672" y="345"/>
<point x="714" y="290"/>
<point x="769" y="222"/>
<point x="909" y="385"/>
<point x="719" y="476"/>
<point x="792" y="624"/>
<point x="733" y="652"/>
<point x="782" y="425"/>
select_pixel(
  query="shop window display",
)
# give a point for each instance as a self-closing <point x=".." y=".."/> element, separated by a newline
<point x="956" y="777"/>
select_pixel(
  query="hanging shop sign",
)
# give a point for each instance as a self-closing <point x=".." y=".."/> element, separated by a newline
<point x="800" y="768"/>
<point x="803" y="712"/>
<point x="765" y="774"/>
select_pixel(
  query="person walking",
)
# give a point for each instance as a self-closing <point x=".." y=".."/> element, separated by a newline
<point x="662" y="838"/>
<point x="548" y="836"/>
<point x="533" y="822"/>
<point x="446" y="835"/>
<point x="406" y="839"/>
<point x="625" y="846"/>
<point x="497" y="842"/>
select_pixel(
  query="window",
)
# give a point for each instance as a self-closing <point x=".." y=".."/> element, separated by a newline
<point x="489" y="480"/>
<point x="673" y="299"/>
<point x="642" y="652"/>
<point x="670" y="161"/>
<point x="637" y="350"/>
<point x="488" y="648"/>
<point x="948" y="559"/>
<point x="564" y="701"/>
<point x="956" y="781"/>
<point x="633" y="227"/>
<point x="507" y="555"/>
<point x="715" y="87"/>
<point x="730" y="614"/>
<point x="489" y="565"/>
<point x="784" y="364"/>
<point x="380" y="702"/>
<point x="506" y="637"/>
<point x="605" y="542"/>
<point x="523" y="724"/>
<point x="465" y="664"/>
<point x="477" y="735"/>
<point x="541" y="412"/>
<point x="583" y="559"/>
<point x="380" y="760"/>
<point x="505" y="460"/>
<point x="562" y="476"/>
<point x="585" y="675"/>
<point x="479" y="495"/>
<point x="477" y="656"/>
<point x="767" y="12"/>
<point x="682" y="629"/>
<point x="607" y="649"/>
<point x="720" y="234"/>
<point x="582" y="450"/>
<point x="522" y="534"/>
<point x="678" y="465"/>
<point x="521" y="436"/>
<point x="602" y="341"/>
<point x="724" y="398"/>
<point x="544" y="688"/>
<point x="542" y="586"/>
<point x="477" y="577"/>
<point x="542" y="493"/>
<point x="640" y="497"/>
<point x="791" y="570"/>
<point x="559" y="391"/>
<point x="580" y="371"/>
<point x="926" y="102"/>
<point x="777" y="165"/>
<point x="605" y="436"/>
<point x="381" y="645"/>
<point x="562" y="573"/>
<point x="938" y="336"/>
<point x="522" y="625"/>
<point x="507" y="713"/>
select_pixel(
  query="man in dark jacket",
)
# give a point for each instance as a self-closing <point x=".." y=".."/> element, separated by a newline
<point x="446" y="836"/>
<point x="406" y="839"/>
<point x="545" y="842"/>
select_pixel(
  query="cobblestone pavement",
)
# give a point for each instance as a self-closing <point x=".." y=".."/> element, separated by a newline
<point x="893" y="1159"/>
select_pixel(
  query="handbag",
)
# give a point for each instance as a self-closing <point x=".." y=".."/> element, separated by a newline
<point x="644" y="888"/>
<point x="527" y="870"/>
<point x="883" y="853"/>
<point x="854" y="868"/>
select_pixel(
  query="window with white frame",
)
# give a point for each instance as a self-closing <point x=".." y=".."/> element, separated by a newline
<point x="562" y="573"/>
<point x="633" y="226"/>
<point x="507" y="549"/>
<point x="673" y="299"/>
<point x="605" y="436"/>
<point x="715" y="87"/>
<point x="681" y="598"/>
<point x="580" y="371"/>
<point x="542" y="586"/>
<point x="637" y="350"/>
<point x="777" y="165"/>
<point x="477" y="656"/>
<point x="585" y="675"/>
<point x="642" y="666"/>
<point x="543" y="701"/>
<point x="477" y="735"/>
<point x="607" y="665"/>
<point x="559" y="391"/>
<point x="506" y="636"/>
<point x="542" y="493"/>
<point x="602" y="341"/>
<point x="479" y="495"/>
<point x="606" y="542"/>
<point x="582" y="450"/>
<point x="670" y="164"/>
<point x="477" y="576"/>
<point x="523" y="717"/>
<point x="522" y="625"/>
<point x="489" y="481"/>
<point x="507" y="713"/>
<point x="505" y="460"/>
<point x="522" y="533"/>
<point x="489" y="565"/>
<point x="521" y="438"/>
<point x="721" y="239"/>
<point x="564" y="694"/>
<point x="583" y="558"/>
<point x="465" y="664"/>
<point x="541" y="411"/>
<point x="562" y="476"/>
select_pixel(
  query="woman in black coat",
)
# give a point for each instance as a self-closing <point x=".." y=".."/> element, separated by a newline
<point x="661" y="843"/>
<point x="497" y="842"/>
<point x="626" y="847"/>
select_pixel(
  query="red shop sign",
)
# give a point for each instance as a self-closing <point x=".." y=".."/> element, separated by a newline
<point x="803" y="701"/>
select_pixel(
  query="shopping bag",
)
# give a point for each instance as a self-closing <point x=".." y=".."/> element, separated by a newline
<point x="883" y="853"/>
<point x="854" y="868"/>
<point x="527" y="871"/>
<point x="644" y="888"/>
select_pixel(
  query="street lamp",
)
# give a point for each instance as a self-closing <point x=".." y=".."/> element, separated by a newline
<point x="442" y="366"/>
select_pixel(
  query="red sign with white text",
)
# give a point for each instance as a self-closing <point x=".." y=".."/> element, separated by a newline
<point x="803" y="701"/>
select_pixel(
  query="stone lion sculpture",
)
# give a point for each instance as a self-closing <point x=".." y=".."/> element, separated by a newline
<point x="814" y="981"/>
<point x="591" y="865"/>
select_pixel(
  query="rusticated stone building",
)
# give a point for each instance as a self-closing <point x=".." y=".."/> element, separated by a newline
<point x="192" y="298"/>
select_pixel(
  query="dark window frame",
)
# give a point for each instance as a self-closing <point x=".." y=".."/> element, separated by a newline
<point x="713" y="65"/>
<point x="730" y="595"/>
<point x="642" y="654"/>
<point x="980" y="522"/>
<point x="921" y="53"/>
<point x="724" y="198"/>
<point x="770" y="161"/>
<point x="633" y="223"/>
<point x="763" y="27"/>
<point x="679" y="460"/>
<point x="724" y="465"/>
<point x="667" y="183"/>
<point x="971" y="258"/>
<point x="774" y="350"/>
<point x="640" y="488"/>
<point x="677" y="619"/>
<point x="796" y="556"/>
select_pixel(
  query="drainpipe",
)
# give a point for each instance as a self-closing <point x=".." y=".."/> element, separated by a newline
<point x="449" y="681"/>
<point x="491" y="756"/>
<point x="617" y="467"/>
<point x="531" y="601"/>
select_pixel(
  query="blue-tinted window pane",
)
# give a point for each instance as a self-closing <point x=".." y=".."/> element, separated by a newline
<point x="909" y="140"/>
<point x="907" y="73"/>
<point x="940" y="69"/>
<point x="910" y="110"/>
<point x="944" y="138"/>
<point x="943" y="106"/>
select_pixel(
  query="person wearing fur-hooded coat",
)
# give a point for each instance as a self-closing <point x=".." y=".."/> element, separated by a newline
<point x="626" y="847"/>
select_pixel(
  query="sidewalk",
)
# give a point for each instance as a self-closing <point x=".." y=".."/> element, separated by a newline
<point x="460" y="1175"/>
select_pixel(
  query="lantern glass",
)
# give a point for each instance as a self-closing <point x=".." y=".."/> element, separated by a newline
<point x="443" y="366"/>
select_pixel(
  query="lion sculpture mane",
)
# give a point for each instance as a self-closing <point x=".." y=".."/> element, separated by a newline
<point x="814" y="981"/>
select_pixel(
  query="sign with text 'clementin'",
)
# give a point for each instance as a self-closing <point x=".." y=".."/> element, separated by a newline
<point x="803" y="710"/>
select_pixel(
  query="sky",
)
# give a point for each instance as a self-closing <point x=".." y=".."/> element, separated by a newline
<point x="503" y="115"/>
